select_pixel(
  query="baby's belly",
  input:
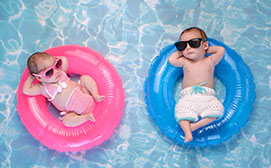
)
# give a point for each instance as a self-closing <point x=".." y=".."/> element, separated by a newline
<point x="188" y="82"/>
<point x="61" y="98"/>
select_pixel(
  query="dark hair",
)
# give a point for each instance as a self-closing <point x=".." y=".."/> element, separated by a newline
<point x="202" y="33"/>
<point x="34" y="61"/>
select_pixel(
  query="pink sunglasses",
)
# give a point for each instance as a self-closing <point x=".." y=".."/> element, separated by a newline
<point x="48" y="73"/>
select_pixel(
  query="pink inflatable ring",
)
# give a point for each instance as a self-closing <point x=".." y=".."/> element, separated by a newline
<point x="50" y="131"/>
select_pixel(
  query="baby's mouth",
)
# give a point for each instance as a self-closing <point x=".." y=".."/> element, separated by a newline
<point x="188" y="55"/>
<point x="190" y="52"/>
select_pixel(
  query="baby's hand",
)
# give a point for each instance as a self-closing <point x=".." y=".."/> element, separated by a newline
<point x="99" y="98"/>
<point x="177" y="59"/>
<point x="29" y="89"/>
<point x="31" y="77"/>
<point x="180" y="53"/>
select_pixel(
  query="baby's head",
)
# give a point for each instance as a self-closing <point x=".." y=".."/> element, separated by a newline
<point x="193" y="43"/>
<point x="191" y="29"/>
<point x="35" y="62"/>
<point x="42" y="66"/>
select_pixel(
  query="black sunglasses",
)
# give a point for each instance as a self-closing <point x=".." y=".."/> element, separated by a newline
<point x="193" y="43"/>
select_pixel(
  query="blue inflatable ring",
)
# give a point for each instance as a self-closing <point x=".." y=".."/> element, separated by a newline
<point x="240" y="95"/>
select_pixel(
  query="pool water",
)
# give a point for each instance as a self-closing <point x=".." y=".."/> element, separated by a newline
<point x="130" y="33"/>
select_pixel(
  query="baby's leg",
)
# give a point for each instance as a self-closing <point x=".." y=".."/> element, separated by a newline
<point x="201" y="123"/>
<point x="90" y="84"/>
<point x="185" y="124"/>
<point x="73" y="119"/>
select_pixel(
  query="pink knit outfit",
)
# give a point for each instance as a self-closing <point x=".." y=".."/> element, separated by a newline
<point x="78" y="102"/>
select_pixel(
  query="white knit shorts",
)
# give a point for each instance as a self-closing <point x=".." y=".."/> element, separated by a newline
<point x="191" y="105"/>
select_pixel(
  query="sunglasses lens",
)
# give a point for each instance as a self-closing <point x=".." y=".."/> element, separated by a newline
<point x="59" y="64"/>
<point x="49" y="73"/>
<point x="194" y="43"/>
<point x="180" y="46"/>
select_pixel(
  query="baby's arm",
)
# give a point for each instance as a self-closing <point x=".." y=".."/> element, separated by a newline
<point x="177" y="59"/>
<point x="65" y="63"/>
<point x="30" y="89"/>
<point x="217" y="53"/>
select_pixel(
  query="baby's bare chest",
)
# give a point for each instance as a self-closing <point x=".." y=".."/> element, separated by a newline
<point x="203" y="67"/>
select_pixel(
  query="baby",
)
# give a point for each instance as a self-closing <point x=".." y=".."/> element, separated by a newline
<point x="197" y="95"/>
<point x="75" y="101"/>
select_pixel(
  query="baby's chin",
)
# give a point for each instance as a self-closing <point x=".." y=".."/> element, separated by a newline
<point x="51" y="81"/>
<point x="55" y="80"/>
<point x="190" y="57"/>
<point x="193" y="57"/>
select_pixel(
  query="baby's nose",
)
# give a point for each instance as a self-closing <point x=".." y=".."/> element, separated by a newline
<point x="56" y="71"/>
<point x="187" y="46"/>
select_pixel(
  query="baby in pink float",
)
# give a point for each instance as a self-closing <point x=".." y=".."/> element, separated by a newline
<point x="74" y="100"/>
<point x="197" y="95"/>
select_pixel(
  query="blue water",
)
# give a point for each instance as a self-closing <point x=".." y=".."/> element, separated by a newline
<point x="130" y="33"/>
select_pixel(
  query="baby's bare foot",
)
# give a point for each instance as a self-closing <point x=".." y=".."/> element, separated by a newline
<point x="92" y="117"/>
<point x="188" y="137"/>
<point x="99" y="98"/>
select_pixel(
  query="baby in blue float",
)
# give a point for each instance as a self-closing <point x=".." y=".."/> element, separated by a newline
<point x="197" y="95"/>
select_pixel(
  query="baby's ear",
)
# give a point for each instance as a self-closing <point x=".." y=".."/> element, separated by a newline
<point x="206" y="46"/>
